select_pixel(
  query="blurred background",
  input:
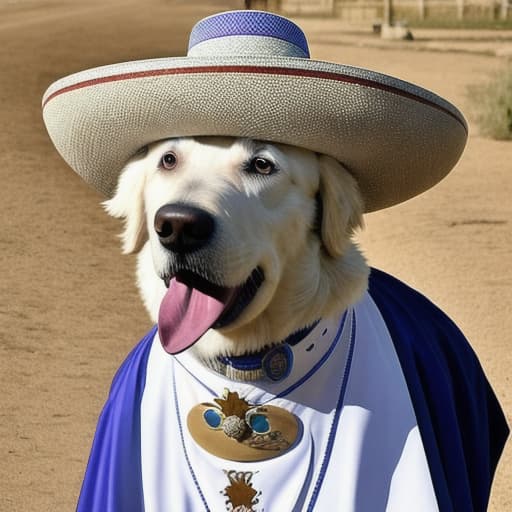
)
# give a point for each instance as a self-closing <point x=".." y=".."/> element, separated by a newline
<point x="442" y="12"/>
<point x="69" y="308"/>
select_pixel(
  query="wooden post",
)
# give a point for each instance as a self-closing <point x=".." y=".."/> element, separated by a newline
<point x="421" y="12"/>
<point x="460" y="10"/>
<point x="504" y="10"/>
<point x="388" y="12"/>
<point x="491" y="10"/>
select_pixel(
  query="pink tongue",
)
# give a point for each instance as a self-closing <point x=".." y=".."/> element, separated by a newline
<point x="186" y="314"/>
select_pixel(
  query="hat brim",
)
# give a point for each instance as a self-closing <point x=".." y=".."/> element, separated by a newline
<point x="397" y="139"/>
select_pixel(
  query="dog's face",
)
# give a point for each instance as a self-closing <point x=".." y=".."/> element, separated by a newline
<point x="263" y="228"/>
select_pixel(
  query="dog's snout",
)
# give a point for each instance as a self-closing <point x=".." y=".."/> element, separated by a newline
<point x="183" y="228"/>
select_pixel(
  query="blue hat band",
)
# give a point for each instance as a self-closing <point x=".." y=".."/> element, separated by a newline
<point x="249" y="23"/>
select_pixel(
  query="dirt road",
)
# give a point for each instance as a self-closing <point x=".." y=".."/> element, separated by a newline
<point x="70" y="311"/>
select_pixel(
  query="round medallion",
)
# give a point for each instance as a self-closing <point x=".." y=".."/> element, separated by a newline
<point x="277" y="363"/>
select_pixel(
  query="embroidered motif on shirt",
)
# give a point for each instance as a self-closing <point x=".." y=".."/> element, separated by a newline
<point x="242" y="497"/>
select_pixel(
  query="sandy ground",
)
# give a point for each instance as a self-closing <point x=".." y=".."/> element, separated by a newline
<point x="70" y="312"/>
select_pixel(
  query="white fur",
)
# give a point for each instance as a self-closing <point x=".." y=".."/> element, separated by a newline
<point x="265" y="221"/>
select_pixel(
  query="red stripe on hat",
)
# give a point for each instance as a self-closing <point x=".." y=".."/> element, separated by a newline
<point x="324" y="75"/>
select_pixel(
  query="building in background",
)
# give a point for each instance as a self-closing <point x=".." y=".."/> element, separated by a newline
<point x="403" y="9"/>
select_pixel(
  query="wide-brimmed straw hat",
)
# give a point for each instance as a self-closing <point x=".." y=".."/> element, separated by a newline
<point x="248" y="74"/>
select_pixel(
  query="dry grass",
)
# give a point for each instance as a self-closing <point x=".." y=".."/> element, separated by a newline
<point x="492" y="104"/>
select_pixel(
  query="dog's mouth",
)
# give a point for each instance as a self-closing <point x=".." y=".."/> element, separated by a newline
<point x="193" y="304"/>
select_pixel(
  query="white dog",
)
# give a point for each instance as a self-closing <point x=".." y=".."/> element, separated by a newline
<point x="283" y="374"/>
<point x="285" y="211"/>
<point x="266" y="229"/>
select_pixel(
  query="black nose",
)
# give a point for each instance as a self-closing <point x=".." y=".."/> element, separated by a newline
<point x="183" y="228"/>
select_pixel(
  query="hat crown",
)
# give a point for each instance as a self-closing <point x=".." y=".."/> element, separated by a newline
<point x="252" y="33"/>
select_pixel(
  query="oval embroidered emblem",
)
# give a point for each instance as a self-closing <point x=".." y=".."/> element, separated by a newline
<point x="235" y="430"/>
<point x="277" y="363"/>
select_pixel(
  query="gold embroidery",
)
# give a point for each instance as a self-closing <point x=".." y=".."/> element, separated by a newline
<point x="242" y="497"/>
<point x="232" y="405"/>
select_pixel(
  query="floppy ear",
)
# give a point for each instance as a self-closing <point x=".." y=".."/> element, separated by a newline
<point x="341" y="203"/>
<point x="128" y="203"/>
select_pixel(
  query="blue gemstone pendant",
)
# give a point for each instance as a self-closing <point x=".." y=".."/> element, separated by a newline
<point x="259" y="423"/>
<point x="213" y="418"/>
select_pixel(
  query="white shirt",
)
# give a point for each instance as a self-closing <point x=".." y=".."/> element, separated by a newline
<point x="360" y="448"/>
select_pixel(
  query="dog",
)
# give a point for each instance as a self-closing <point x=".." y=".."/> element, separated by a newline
<point x="283" y="373"/>
<point x="284" y="210"/>
<point x="271" y="226"/>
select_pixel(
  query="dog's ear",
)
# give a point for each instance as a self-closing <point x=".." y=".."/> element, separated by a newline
<point x="341" y="206"/>
<point x="128" y="203"/>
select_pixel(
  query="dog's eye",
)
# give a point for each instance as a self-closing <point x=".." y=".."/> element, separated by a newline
<point x="262" y="166"/>
<point x="168" y="161"/>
